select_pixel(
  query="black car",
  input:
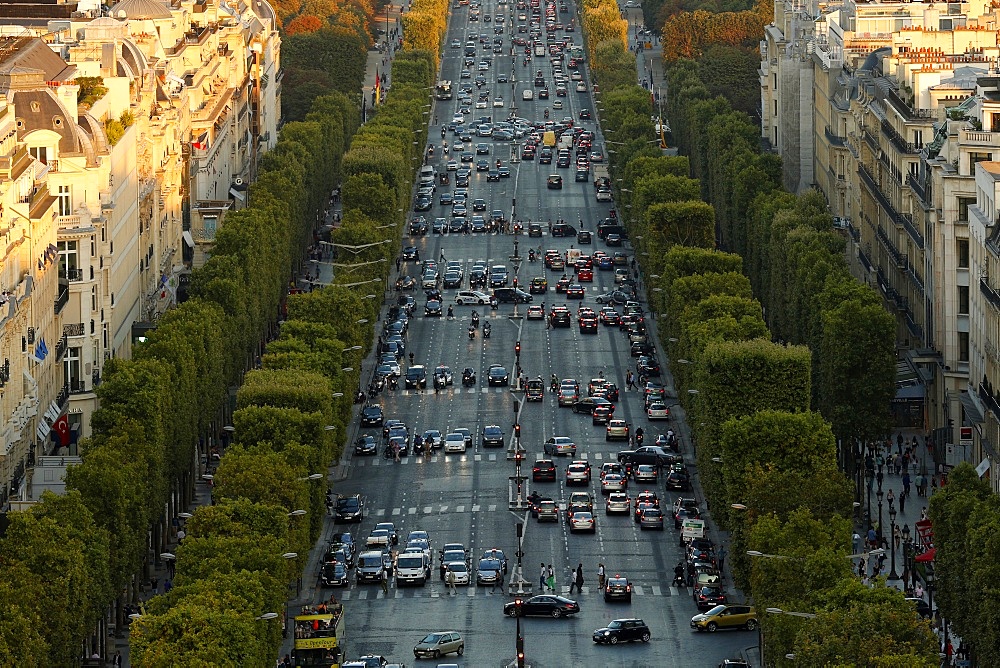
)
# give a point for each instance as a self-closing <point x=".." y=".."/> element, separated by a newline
<point x="563" y="230"/>
<point x="678" y="480"/>
<point x="622" y="630"/>
<point x="416" y="377"/>
<point x="618" y="588"/>
<point x="365" y="445"/>
<point x="411" y="254"/>
<point x="423" y="203"/>
<point x="371" y="416"/>
<point x="492" y="436"/>
<point x="545" y="605"/>
<point x="349" y="509"/>
<point x="709" y="596"/>
<point x="333" y="574"/>
<point x="512" y="296"/>
<point x="583" y="237"/>
<point x="468" y="376"/>
<point x="418" y="227"/>
<point x="432" y="309"/>
<point x="497" y="375"/>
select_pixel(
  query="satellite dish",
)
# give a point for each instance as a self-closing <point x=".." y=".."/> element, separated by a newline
<point x="238" y="181"/>
<point x="122" y="14"/>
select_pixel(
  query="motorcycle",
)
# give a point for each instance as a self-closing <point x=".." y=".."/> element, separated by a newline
<point x="531" y="255"/>
<point x="442" y="132"/>
<point x="451" y="312"/>
<point x="359" y="398"/>
<point x="393" y="384"/>
<point x="468" y="377"/>
<point x="475" y="320"/>
<point x="486" y="331"/>
<point x="638" y="438"/>
<point x="430" y="151"/>
<point x="498" y="163"/>
<point x="546" y="113"/>
<point x="472" y="333"/>
<point x="554" y="386"/>
<point x="446" y="149"/>
<point x="440" y="382"/>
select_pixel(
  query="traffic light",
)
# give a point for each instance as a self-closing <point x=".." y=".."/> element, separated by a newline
<point x="520" y="646"/>
<point x="517" y="349"/>
<point x="517" y="431"/>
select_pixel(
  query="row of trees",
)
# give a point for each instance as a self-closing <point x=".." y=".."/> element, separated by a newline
<point x="758" y="444"/>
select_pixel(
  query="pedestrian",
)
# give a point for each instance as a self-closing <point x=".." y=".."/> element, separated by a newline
<point x="722" y="560"/>
<point x="117" y="660"/>
<point x="902" y="502"/>
<point x="856" y="538"/>
<point x="451" y="583"/>
<point x="399" y="263"/>
<point x="154" y="584"/>
<point x="167" y="586"/>
<point x="385" y="583"/>
<point x="879" y="477"/>
<point x="442" y="255"/>
<point x="919" y="481"/>
<point x="541" y="577"/>
<point x="551" y="579"/>
<point x="923" y="513"/>
<point x="890" y="498"/>
<point x="906" y="484"/>
<point x="872" y="538"/>
<point x="897" y="536"/>
<point x="600" y="575"/>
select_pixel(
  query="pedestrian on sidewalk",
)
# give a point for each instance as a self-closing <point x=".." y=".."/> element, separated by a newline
<point x="890" y="498"/>
<point x="452" y="591"/>
<point x="550" y="581"/>
<point x="897" y="536"/>
<point x="906" y="485"/>
<point x="600" y="575"/>
<point x="117" y="660"/>
<point x="167" y="586"/>
<point x="722" y="561"/>
<point x="902" y="502"/>
<point x="920" y="484"/>
<point x="541" y="578"/>
<point x="154" y="584"/>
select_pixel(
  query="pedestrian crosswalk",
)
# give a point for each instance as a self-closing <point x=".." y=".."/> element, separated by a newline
<point x="434" y="589"/>
<point x="460" y="458"/>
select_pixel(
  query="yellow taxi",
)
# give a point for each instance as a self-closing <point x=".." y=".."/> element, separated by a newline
<point x="726" y="617"/>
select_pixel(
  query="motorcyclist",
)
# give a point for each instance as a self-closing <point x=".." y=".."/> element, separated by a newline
<point x="639" y="434"/>
<point x="472" y="332"/>
<point x="411" y="359"/>
<point x="531" y="255"/>
<point x="451" y="311"/>
<point x="555" y="383"/>
<point x="546" y="112"/>
<point x="679" y="575"/>
<point x="475" y="320"/>
<point x="498" y="163"/>
<point x="486" y="330"/>
<point x="442" y="132"/>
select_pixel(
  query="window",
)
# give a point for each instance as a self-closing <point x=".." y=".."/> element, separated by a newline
<point x="963" y="346"/>
<point x="963" y="300"/>
<point x="978" y="157"/>
<point x="71" y="365"/>
<point x="40" y="153"/>
<point x="65" y="201"/>
<point x="918" y="138"/>
<point x="69" y="261"/>
<point x="963" y="253"/>
<point x="963" y="208"/>
<point x="775" y="108"/>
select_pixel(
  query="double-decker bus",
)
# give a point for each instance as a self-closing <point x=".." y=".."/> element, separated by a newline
<point x="443" y="90"/>
<point x="319" y="639"/>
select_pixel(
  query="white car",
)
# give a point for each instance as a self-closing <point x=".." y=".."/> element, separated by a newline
<point x="481" y="104"/>
<point x="657" y="411"/>
<point x="498" y="102"/>
<point x="536" y="312"/>
<point x="378" y="538"/>
<point x="472" y="297"/>
<point x="454" y="442"/>
<point x="613" y="482"/>
<point x="581" y="87"/>
<point x="461" y="571"/>
<point x="618" y="502"/>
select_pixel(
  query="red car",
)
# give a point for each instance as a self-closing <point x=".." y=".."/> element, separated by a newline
<point x="585" y="275"/>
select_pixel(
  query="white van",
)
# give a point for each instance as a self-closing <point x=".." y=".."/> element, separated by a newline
<point x="539" y="49"/>
<point x="528" y="95"/>
<point x="426" y="176"/>
<point x="412" y="567"/>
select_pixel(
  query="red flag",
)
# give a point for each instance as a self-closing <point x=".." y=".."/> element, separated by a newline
<point x="61" y="428"/>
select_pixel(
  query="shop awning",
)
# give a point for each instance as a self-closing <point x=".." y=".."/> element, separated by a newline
<point x="927" y="556"/>
<point x="188" y="239"/>
<point x="972" y="412"/>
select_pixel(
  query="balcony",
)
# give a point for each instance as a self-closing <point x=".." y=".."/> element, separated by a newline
<point x="865" y="261"/>
<point x="61" y="347"/>
<point x="62" y="299"/>
<point x="918" y="189"/>
<point x="73" y="329"/>
<point x="63" y="397"/>
<point x="77" y="386"/>
<point x="916" y="331"/>
<point x="894" y="137"/>
<point x="871" y="140"/>
<point x="973" y="138"/>
<point x="918" y="282"/>
<point x="835" y="140"/>
<point x="992" y="296"/>
<point x="903" y="220"/>
<point x="989" y="401"/>
<point x="72" y="275"/>
<point x="897" y="257"/>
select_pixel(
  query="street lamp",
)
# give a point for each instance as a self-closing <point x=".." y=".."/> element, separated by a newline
<point x="878" y="495"/>
<point x="267" y="616"/>
<point x="892" y="543"/>
<point x="347" y="350"/>
<point x="907" y="554"/>
<point x="312" y="476"/>
<point x="297" y="513"/>
<point x="683" y="361"/>
<point x="779" y="611"/>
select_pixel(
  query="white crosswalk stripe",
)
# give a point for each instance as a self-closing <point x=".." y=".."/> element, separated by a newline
<point x="372" y="592"/>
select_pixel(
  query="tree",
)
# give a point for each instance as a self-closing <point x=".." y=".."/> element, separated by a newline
<point x="303" y="23"/>
<point x="689" y="223"/>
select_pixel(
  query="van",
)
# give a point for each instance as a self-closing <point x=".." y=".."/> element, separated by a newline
<point x="412" y="567"/>
<point x="527" y="95"/>
<point x="427" y="176"/>
<point x="370" y="567"/>
<point x="604" y="230"/>
<point x="549" y="138"/>
<point x="539" y="50"/>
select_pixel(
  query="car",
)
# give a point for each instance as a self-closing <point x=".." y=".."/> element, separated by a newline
<point x="602" y="414"/>
<point x="685" y="514"/>
<point x="584" y="237"/>
<point x="497" y="375"/>
<point x="554" y="182"/>
<point x="678" y="479"/>
<point x="349" y="509"/>
<point x="461" y="571"/>
<point x="372" y="416"/>
<point x="543" y="469"/>
<point x="651" y="518"/>
<point x="575" y="291"/>
<point x="709" y="596"/>
<point x="365" y="445"/>
<point x="538" y="286"/>
<point x="613" y="482"/>
<point x="726" y="617"/>
<point x="454" y="442"/>
<point x="586" y="405"/>
<point x="616" y="430"/>
<point x="578" y="473"/>
<point x="559" y="445"/>
<point x="535" y="312"/>
<point x="492" y="436"/>
<point x="435" y="645"/>
<point x="645" y="473"/>
<point x="544" y="605"/>
<point x="432" y="309"/>
<point x="618" y="588"/>
<point x="334" y="574"/>
<point x="582" y="521"/>
<point x="416" y="376"/>
<point x="622" y="630"/>
<point x="547" y="511"/>
<point x="617" y="503"/>
<point x="472" y="297"/>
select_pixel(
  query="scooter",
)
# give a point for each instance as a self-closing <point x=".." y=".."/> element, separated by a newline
<point x="472" y="333"/>
<point x="486" y="331"/>
<point x="531" y="255"/>
<point x="475" y="321"/>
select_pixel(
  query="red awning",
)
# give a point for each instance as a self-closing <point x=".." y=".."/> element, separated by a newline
<point x="927" y="556"/>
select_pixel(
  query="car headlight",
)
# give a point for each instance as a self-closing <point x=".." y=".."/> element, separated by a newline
<point x="607" y="633"/>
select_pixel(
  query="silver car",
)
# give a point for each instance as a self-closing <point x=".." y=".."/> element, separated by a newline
<point x="613" y="482"/>
<point x="438" y="644"/>
<point x="618" y="503"/>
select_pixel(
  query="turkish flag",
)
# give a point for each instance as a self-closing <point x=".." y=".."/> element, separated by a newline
<point x="61" y="428"/>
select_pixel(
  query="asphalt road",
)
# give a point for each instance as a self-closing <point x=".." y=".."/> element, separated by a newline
<point x="464" y="498"/>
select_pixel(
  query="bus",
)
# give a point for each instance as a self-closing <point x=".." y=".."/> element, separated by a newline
<point x="443" y="90"/>
<point x="319" y="640"/>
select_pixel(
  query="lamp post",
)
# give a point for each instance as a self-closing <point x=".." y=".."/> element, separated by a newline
<point x="878" y="494"/>
<point x="892" y="544"/>
<point x="907" y="553"/>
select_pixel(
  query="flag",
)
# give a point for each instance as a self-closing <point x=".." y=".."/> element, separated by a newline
<point x="202" y="143"/>
<point x="61" y="429"/>
<point x="38" y="354"/>
<point x="378" y="88"/>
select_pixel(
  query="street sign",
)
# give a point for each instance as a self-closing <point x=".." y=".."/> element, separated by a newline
<point x="693" y="529"/>
<point x="965" y="436"/>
